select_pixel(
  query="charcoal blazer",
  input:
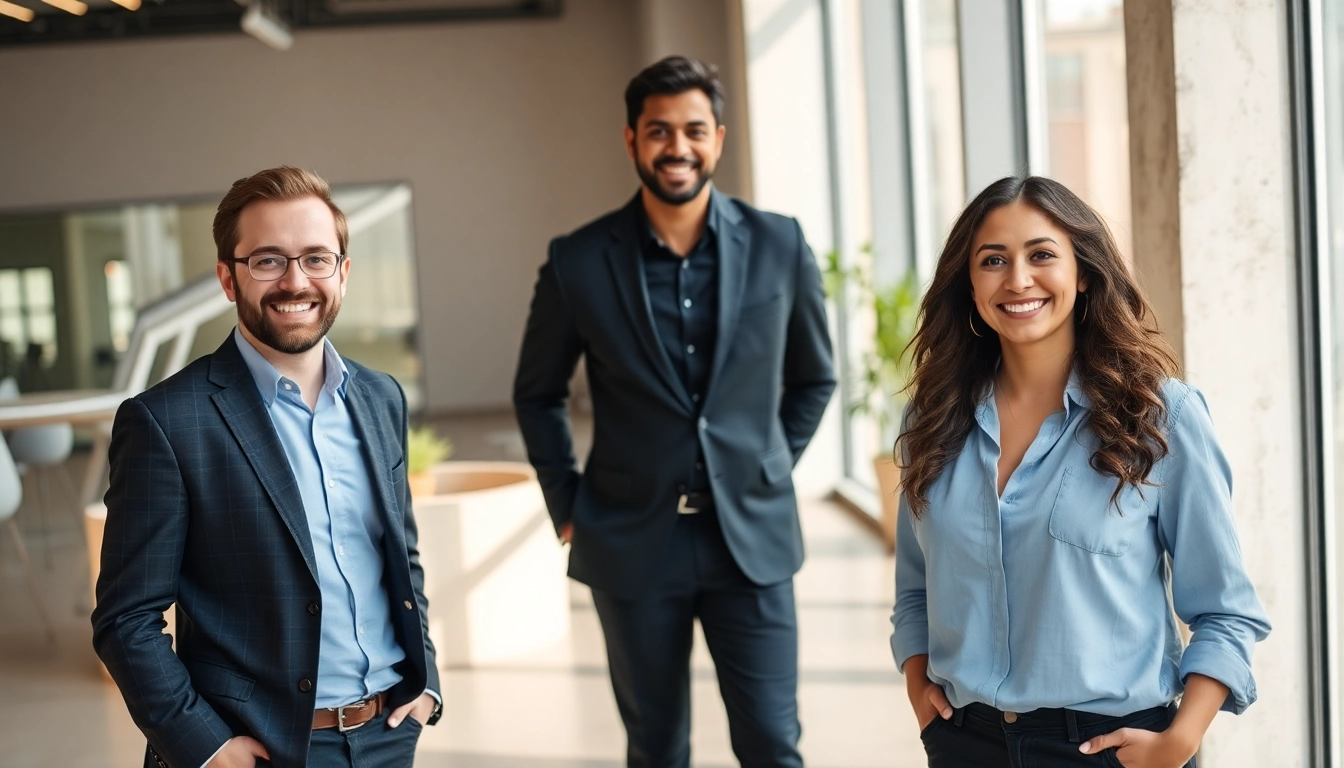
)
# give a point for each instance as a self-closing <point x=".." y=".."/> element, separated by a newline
<point x="204" y="511"/>
<point x="769" y="383"/>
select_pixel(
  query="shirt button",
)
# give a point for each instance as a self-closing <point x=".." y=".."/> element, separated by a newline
<point x="361" y="630"/>
<point x="331" y="483"/>
<point x="340" y="551"/>
<point x="313" y="609"/>
<point x="703" y="422"/>
<point x="289" y="386"/>
<point x="685" y="263"/>
<point x="686" y="303"/>
<point x="408" y="605"/>
<point x="305" y="685"/>
<point x="690" y="349"/>
<point x="1010" y="717"/>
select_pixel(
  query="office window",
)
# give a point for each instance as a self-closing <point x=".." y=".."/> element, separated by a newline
<point x="1087" y="118"/>
<point x="28" y="316"/>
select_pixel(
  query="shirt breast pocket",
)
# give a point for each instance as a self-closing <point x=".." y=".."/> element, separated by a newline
<point x="1084" y="516"/>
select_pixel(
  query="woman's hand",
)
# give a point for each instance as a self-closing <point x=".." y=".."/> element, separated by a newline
<point x="1173" y="748"/>
<point x="1137" y="748"/>
<point x="926" y="697"/>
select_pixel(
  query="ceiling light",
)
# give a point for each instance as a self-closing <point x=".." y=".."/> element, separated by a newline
<point x="15" y="11"/>
<point x="69" y="6"/>
<point x="130" y="5"/>
<point x="266" y="27"/>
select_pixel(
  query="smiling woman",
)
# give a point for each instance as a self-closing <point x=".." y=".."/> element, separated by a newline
<point x="1051" y="465"/>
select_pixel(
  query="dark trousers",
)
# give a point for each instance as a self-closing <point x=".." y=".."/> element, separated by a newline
<point x="372" y="745"/>
<point x="751" y="632"/>
<point x="979" y="736"/>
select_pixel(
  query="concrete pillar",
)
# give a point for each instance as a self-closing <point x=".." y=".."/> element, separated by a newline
<point x="1211" y="151"/>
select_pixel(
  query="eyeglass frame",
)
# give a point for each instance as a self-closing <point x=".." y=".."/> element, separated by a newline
<point x="340" y="257"/>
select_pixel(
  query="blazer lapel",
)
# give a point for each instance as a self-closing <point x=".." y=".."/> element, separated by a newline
<point x="734" y="241"/>
<point x="376" y="435"/>
<point x="244" y="413"/>
<point x="627" y="264"/>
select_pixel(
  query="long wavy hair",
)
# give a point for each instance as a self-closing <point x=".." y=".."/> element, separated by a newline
<point x="1119" y="355"/>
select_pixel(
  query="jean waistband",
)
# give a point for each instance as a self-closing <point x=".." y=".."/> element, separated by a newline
<point x="1067" y="721"/>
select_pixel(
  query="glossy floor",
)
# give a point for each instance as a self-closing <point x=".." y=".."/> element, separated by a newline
<point x="552" y="709"/>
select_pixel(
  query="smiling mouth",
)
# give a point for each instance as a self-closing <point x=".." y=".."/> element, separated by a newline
<point x="293" y="307"/>
<point x="1023" y="307"/>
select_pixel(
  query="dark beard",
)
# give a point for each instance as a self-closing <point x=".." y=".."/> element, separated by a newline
<point x="292" y="341"/>
<point x="650" y="180"/>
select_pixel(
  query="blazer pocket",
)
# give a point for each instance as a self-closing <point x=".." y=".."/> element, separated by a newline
<point x="1084" y="516"/>
<point x="760" y="308"/>
<point x="777" y="465"/>
<point x="608" y="482"/>
<point x="215" y="680"/>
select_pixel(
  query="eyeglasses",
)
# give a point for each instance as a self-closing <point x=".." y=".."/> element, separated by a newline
<point x="273" y="266"/>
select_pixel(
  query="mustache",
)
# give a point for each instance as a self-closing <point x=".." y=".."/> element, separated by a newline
<point x="662" y="161"/>
<point x="281" y="296"/>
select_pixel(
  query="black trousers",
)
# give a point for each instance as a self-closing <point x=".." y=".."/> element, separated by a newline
<point x="751" y="632"/>
<point x="979" y="736"/>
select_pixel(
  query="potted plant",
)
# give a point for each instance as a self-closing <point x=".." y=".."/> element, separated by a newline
<point x="424" y="449"/>
<point x="883" y="370"/>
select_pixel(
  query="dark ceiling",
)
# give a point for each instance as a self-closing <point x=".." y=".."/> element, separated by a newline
<point x="106" y="21"/>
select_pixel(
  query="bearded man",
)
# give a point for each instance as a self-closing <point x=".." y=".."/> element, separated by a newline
<point x="703" y="326"/>
<point x="262" y="489"/>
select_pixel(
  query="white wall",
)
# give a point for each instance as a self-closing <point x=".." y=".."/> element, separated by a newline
<point x="508" y="132"/>
<point x="1238" y="267"/>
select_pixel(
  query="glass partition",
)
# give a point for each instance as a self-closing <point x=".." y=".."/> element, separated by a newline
<point x="70" y="283"/>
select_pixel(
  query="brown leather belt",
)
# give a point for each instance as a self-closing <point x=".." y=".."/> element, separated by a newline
<point x="351" y="716"/>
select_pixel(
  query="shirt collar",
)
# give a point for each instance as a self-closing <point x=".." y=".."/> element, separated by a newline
<point x="711" y="223"/>
<point x="1074" y="394"/>
<point x="268" y="378"/>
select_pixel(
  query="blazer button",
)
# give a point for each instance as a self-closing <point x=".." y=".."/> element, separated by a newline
<point x="408" y="605"/>
<point x="312" y="608"/>
<point x="305" y="685"/>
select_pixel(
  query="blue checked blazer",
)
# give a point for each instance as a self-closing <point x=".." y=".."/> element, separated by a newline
<point x="203" y="511"/>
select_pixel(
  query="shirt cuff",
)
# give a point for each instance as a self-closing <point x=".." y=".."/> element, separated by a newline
<point x="909" y="639"/>
<point x="1230" y="669"/>
<point x="212" y="757"/>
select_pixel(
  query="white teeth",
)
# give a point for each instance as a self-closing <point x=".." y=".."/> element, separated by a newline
<point x="293" y="307"/>
<point x="1025" y="307"/>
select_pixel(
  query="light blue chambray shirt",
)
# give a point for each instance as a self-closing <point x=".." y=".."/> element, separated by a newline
<point x="359" y="645"/>
<point x="1048" y="597"/>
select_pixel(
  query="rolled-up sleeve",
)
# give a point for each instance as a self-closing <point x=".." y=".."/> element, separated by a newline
<point x="1210" y="587"/>
<point x="909" y="618"/>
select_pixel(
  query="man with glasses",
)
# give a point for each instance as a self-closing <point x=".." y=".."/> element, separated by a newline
<point x="262" y="490"/>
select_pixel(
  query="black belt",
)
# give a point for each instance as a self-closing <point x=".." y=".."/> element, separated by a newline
<point x="695" y="501"/>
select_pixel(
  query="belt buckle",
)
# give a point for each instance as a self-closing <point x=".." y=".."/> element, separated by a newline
<point x="340" y="717"/>
<point x="682" y="509"/>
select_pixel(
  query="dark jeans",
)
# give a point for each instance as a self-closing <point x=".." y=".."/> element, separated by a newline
<point x="979" y="736"/>
<point x="372" y="745"/>
<point x="751" y="632"/>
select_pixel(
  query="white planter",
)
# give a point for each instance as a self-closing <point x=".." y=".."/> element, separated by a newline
<point x="494" y="573"/>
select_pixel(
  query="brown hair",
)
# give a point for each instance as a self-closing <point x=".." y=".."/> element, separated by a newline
<point x="1119" y="355"/>
<point x="283" y="183"/>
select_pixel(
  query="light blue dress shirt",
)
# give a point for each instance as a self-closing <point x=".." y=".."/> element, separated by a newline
<point x="359" y="646"/>
<point x="1049" y="597"/>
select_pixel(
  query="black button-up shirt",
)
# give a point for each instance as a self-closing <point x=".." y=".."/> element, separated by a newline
<point x="684" y="299"/>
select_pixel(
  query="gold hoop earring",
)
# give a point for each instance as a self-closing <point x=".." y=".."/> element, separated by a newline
<point x="971" y="319"/>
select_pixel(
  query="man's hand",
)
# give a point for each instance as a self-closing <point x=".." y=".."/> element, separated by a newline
<point x="567" y="533"/>
<point x="1137" y="748"/>
<point x="239" y="752"/>
<point x="420" y="709"/>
